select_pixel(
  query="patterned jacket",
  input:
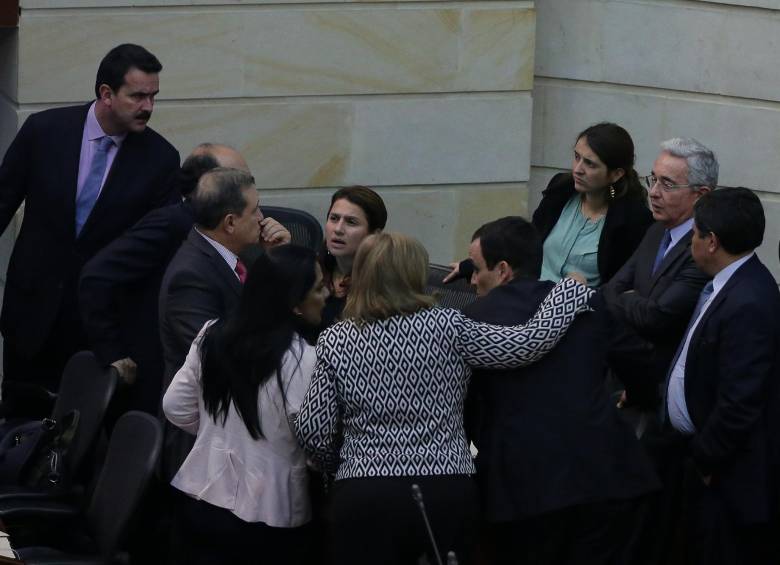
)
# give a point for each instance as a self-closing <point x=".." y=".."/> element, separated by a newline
<point x="387" y="397"/>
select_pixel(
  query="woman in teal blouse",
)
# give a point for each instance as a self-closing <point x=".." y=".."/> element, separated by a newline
<point x="593" y="218"/>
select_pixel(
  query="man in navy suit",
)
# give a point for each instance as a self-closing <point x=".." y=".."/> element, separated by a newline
<point x="722" y="387"/>
<point x="86" y="174"/>
<point x="557" y="469"/>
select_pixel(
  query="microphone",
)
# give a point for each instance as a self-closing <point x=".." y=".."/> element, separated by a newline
<point x="418" y="498"/>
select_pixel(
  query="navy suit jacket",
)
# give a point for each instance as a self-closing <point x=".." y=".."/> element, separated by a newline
<point x="731" y="391"/>
<point x="548" y="435"/>
<point x="118" y="294"/>
<point x="41" y="169"/>
<point x="651" y="320"/>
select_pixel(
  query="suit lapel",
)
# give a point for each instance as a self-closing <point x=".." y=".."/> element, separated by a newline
<point x="680" y="248"/>
<point x="116" y="181"/>
<point x="66" y="161"/>
<point x="223" y="270"/>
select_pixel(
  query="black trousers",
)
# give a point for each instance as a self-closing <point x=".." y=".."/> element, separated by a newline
<point x="714" y="537"/>
<point x="586" y="534"/>
<point x="376" y="521"/>
<point x="207" y="535"/>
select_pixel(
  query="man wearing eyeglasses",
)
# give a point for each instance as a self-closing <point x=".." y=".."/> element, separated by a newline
<point x="652" y="298"/>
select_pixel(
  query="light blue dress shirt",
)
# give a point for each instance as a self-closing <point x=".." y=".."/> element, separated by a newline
<point x="675" y="392"/>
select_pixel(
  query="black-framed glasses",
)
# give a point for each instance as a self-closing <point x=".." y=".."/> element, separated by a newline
<point x="651" y="180"/>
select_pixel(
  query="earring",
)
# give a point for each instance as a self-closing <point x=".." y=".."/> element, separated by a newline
<point x="612" y="192"/>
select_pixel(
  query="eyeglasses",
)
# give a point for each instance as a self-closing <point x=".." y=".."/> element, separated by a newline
<point x="651" y="180"/>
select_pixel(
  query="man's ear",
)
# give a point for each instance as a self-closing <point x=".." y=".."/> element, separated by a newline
<point x="505" y="272"/>
<point x="714" y="244"/>
<point x="228" y="223"/>
<point x="105" y="93"/>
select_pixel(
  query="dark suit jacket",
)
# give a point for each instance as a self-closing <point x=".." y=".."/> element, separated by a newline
<point x="548" y="435"/>
<point x="41" y="169"/>
<point x="118" y="295"/>
<point x="731" y="391"/>
<point x="198" y="286"/>
<point x="625" y="224"/>
<point x="651" y="320"/>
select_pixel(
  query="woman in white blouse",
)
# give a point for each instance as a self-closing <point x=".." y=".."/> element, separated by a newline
<point x="385" y="407"/>
<point x="244" y="484"/>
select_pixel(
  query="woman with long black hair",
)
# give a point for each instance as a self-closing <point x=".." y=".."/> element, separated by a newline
<point x="244" y="485"/>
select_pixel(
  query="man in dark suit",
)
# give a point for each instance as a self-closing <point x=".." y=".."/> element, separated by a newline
<point x="557" y="468"/>
<point x="203" y="280"/>
<point x="654" y="293"/>
<point x="722" y="387"/>
<point x="651" y="299"/>
<point x="120" y="286"/>
<point x="86" y="174"/>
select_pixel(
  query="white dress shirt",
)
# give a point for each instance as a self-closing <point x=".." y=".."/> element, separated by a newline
<point x="230" y="258"/>
<point x="678" y="409"/>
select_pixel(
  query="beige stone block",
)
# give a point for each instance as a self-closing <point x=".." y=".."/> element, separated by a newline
<point x="745" y="135"/>
<point x="768" y="252"/>
<point x="441" y="217"/>
<point x="375" y="141"/>
<point x="684" y="46"/>
<point x="445" y="140"/>
<point x="266" y="51"/>
<point x="62" y="4"/>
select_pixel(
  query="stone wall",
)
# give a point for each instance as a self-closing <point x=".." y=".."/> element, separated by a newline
<point x="664" y="68"/>
<point x="430" y="102"/>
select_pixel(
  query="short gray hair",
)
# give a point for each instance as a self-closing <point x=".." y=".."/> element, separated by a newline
<point x="702" y="163"/>
<point x="219" y="193"/>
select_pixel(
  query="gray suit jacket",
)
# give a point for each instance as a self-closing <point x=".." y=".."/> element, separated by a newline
<point x="198" y="286"/>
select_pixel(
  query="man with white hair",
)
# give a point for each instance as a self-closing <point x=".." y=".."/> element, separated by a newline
<point x="652" y="298"/>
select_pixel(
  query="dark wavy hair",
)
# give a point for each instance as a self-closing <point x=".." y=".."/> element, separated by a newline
<point x="615" y="148"/>
<point x="242" y="352"/>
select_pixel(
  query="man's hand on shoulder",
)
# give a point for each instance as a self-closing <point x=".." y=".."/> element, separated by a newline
<point x="272" y="233"/>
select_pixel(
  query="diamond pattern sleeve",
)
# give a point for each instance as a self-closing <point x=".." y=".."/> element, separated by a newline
<point x="318" y="424"/>
<point x="500" y="347"/>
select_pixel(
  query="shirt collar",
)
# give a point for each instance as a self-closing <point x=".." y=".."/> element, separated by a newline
<point x="678" y="232"/>
<point x="94" y="131"/>
<point x="723" y="276"/>
<point x="230" y="258"/>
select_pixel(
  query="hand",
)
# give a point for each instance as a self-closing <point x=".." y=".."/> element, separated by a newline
<point x="126" y="368"/>
<point x="579" y="277"/>
<point x="455" y="272"/>
<point x="272" y="233"/>
<point x="622" y="401"/>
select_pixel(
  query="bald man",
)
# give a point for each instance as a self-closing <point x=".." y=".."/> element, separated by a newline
<point x="119" y="287"/>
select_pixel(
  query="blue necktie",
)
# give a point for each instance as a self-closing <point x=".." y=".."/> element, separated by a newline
<point x="86" y="199"/>
<point x="706" y="292"/>
<point x="659" y="257"/>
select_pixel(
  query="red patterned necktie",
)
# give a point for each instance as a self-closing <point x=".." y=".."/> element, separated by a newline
<point x="241" y="271"/>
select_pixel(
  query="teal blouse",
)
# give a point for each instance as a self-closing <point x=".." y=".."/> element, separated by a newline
<point x="573" y="245"/>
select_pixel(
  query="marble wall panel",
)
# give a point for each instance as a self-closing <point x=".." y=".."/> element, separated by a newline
<point x="277" y="51"/>
<point x="374" y="141"/>
<point x="768" y="250"/>
<point x="744" y="134"/>
<point x="442" y="217"/>
<point x="63" y="4"/>
<point x="689" y="46"/>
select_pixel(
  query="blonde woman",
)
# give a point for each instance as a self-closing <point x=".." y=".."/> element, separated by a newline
<point x="385" y="407"/>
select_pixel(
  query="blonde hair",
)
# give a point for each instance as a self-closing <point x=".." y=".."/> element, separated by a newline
<point x="388" y="278"/>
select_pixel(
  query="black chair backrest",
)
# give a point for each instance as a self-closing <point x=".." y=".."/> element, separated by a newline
<point x="303" y="227"/>
<point x="457" y="294"/>
<point x="86" y="386"/>
<point x="129" y="466"/>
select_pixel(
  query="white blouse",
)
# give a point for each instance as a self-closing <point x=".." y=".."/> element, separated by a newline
<point x="263" y="480"/>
